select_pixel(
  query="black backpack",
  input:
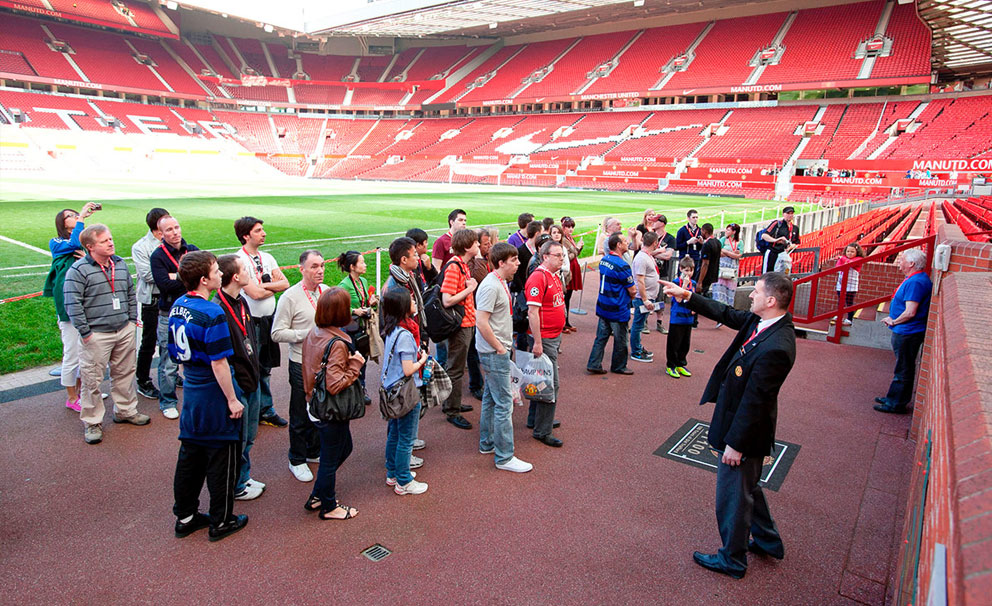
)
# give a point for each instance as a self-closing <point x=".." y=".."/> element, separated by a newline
<point x="442" y="322"/>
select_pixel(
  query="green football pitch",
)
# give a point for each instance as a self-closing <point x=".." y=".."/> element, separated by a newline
<point x="329" y="216"/>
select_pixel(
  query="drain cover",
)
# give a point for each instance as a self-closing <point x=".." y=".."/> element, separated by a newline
<point x="376" y="552"/>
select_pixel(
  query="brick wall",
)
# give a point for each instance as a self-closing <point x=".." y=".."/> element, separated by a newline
<point x="877" y="280"/>
<point x="953" y="416"/>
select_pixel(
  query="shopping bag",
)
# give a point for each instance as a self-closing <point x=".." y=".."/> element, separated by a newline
<point x="538" y="381"/>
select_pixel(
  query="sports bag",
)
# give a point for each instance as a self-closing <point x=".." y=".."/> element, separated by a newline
<point x="397" y="400"/>
<point x="347" y="405"/>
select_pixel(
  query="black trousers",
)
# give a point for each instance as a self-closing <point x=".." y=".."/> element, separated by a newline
<point x="907" y="349"/>
<point x="304" y="442"/>
<point x="741" y="511"/>
<point x="475" y="379"/>
<point x="335" y="446"/>
<point x="149" y="328"/>
<point x="677" y="347"/>
<point x="219" y="467"/>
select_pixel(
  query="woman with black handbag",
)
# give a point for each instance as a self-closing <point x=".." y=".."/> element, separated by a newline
<point x="352" y="265"/>
<point x="399" y="396"/>
<point x="329" y="351"/>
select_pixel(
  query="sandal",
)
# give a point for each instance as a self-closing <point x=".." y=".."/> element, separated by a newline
<point x="349" y="512"/>
<point x="312" y="504"/>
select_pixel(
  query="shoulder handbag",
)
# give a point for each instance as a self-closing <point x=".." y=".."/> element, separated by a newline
<point x="401" y="397"/>
<point x="344" y="406"/>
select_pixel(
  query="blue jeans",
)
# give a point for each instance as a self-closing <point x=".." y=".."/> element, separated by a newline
<point x="167" y="369"/>
<point x="400" y="434"/>
<point x="640" y="319"/>
<point x="249" y="431"/>
<point x="906" y="348"/>
<point x="495" y="420"/>
<point x="604" y="330"/>
<point x="265" y="407"/>
<point x="441" y="353"/>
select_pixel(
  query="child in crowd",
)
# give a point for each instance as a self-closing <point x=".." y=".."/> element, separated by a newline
<point x="209" y="425"/>
<point x="680" y="324"/>
<point x="852" y="252"/>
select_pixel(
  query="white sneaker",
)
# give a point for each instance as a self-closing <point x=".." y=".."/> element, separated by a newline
<point x="414" y="487"/>
<point x="392" y="481"/>
<point x="170" y="413"/>
<point x="301" y="472"/>
<point x="250" y="492"/>
<point x="416" y="462"/>
<point x="515" y="465"/>
<point x="846" y="322"/>
<point x="487" y="450"/>
<point x="254" y="482"/>
<point x="419" y="444"/>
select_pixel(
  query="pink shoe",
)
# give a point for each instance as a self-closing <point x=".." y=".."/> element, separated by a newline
<point x="72" y="404"/>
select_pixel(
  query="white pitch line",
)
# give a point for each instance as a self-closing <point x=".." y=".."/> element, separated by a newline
<point x="26" y="245"/>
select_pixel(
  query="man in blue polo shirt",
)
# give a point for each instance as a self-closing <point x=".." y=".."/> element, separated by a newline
<point x="908" y="321"/>
<point x="616" y="289"/>
<point x="209" y="424"/>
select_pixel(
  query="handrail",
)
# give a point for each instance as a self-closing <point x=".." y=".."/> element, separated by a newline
<point x="845" y="269"/>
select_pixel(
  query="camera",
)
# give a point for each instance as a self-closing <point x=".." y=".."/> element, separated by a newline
<point x="266" y="278"/>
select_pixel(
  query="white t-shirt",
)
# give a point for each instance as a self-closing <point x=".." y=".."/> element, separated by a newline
<point x="266" y="306"/>
<point x="644" y="265"/>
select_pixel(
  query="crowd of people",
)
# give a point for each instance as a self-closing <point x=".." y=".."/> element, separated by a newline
<point x="477" y="299"/>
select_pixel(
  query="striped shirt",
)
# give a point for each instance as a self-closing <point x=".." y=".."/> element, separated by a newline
<point x="455" y="276"/>
<point x="89" y="300"/>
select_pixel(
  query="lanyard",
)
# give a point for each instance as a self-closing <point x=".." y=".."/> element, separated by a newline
<point x="193" y="293"/>
<point x="734" y="245"/>
<point x="257" y="269"/>
<point x="110" y="278"/>
<point x="506" y="288"/>
<point x="361" y="293"/>
<point x="309" y="298"/>
<point x="240" y="322"/>
<point x="173" y="259"/>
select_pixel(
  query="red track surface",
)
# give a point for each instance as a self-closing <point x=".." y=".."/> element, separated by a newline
<point x="600" y="521"/>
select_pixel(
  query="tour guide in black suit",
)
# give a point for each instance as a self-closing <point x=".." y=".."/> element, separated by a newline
<point x="745" y="386"/>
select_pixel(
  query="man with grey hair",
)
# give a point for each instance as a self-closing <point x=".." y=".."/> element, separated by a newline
<point x="294" y="319"/>
<point x="611" y="225"/>
<point x="100" y="301"/>
<point x="908" y="320"/>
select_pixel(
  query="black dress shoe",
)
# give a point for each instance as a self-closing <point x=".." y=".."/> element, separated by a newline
<point x="596" y="371"/>
<point x="231" y="526"/>
<point x="368" y="400"/>
<point x="200" y="520"/>
<point x="882" y="401"/>
<point x="623" y="371"/>
<point x="476" y="393"/>
<point x="460" y="422"/>
<point x="467" y="408"/>
<point x="550" y="440"/>
<point x="711" y="561"/>
<point x="896" y="410"/>
<point x="758" y="550"/>
<point x="556" y="424"/>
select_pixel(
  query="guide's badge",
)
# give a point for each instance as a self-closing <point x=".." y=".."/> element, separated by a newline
<point x="248" y="346"/>
<point x="116" y="303"/>
<point x="739" y="371"/>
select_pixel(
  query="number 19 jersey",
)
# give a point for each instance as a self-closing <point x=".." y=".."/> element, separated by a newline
<point x="198" y="332"/>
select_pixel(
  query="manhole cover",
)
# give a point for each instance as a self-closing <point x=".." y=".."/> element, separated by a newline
<point x="376" y="552"/>
<point x="689" y="445"/>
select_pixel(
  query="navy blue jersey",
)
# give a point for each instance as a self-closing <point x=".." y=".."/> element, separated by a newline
<point x="198" y="332"/>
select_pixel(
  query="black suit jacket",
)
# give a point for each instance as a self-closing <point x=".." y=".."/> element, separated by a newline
<point x="745" y="383"/>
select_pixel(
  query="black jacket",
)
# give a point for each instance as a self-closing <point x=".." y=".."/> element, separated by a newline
<point x="747" y="400"/>
<point x="162" y="266"/>
<point x="244" y="362"/>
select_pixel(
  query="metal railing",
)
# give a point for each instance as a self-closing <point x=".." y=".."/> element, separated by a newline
<point x="828" y="277"/>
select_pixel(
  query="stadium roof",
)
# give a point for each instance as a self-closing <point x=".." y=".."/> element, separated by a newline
<point x="492" y="18"/>
<point x="962" y="32"/>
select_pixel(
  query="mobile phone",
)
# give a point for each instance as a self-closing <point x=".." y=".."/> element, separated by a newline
<point x="97" y="206"/>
